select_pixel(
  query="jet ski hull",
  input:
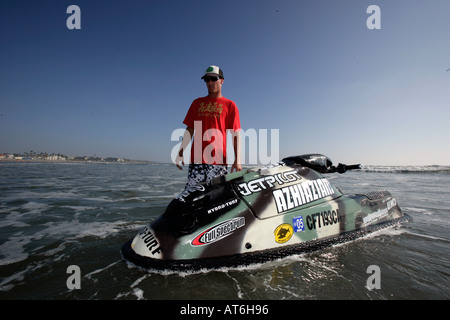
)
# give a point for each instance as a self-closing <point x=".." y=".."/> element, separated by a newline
<point x="245" y="259"/>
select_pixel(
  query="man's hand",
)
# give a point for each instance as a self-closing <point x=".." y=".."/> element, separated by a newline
<point x="187" y="136"/>
<point x="236" y="167"/>
<point x="237" y="151"/>
<point x="179" y="159"/>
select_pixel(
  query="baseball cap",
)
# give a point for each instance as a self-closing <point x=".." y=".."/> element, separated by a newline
<point x="213" y="71"/>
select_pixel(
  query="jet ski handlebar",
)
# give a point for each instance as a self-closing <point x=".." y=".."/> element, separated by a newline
<point x="341" y="168"/>
<point x="320" y="163"/>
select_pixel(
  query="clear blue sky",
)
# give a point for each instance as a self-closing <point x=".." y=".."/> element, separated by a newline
<point x="312" y="69"/>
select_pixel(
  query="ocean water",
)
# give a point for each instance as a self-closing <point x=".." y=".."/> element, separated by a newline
<point x="56" y="215"/>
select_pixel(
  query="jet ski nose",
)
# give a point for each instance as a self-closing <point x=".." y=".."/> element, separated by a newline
<point x="146" y="244"/>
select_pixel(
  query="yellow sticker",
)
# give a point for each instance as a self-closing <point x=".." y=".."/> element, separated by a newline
<point x="283" y="233"/>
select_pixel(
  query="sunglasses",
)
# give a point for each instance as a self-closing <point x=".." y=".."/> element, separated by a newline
<point x="213" y="79"/>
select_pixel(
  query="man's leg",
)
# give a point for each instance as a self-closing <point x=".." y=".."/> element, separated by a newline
<point x="215" y="171"/>
<point x="196" y="175"/>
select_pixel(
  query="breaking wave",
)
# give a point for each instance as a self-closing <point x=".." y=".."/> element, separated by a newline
<point x="406" y="169"/>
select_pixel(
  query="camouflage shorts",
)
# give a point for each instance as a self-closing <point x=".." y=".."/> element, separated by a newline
<point x="199" y="173"/>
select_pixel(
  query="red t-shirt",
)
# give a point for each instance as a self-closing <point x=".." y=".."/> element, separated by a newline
<point x="211" y="117"/>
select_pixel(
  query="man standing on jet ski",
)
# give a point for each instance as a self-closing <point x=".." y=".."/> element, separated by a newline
<point x="210" y="117"/>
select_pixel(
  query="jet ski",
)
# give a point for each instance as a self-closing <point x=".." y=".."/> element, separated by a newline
<point x="259" y="215"/>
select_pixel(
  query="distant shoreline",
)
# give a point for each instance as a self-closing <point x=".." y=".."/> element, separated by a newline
<point x="76" y="161"/>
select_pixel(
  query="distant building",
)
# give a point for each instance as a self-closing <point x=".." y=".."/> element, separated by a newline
<point x="55" y="157"/>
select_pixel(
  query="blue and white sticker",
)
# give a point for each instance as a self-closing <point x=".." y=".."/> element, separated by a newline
<point x="298" y="224"/>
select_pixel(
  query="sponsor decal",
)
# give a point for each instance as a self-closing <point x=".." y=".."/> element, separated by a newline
<point x="222" y="206"/>
<point x="301" y="193"/>
<point x="283" y="233"/>
<point x="322" y="219"/>
<point x="267" y="182"/>
<point x="381" y="213"/>
<point x="298" y="224"/>
<point x="150" y="241"/>
<point x="218" y="232"/>
<point x="391" y="203"/>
